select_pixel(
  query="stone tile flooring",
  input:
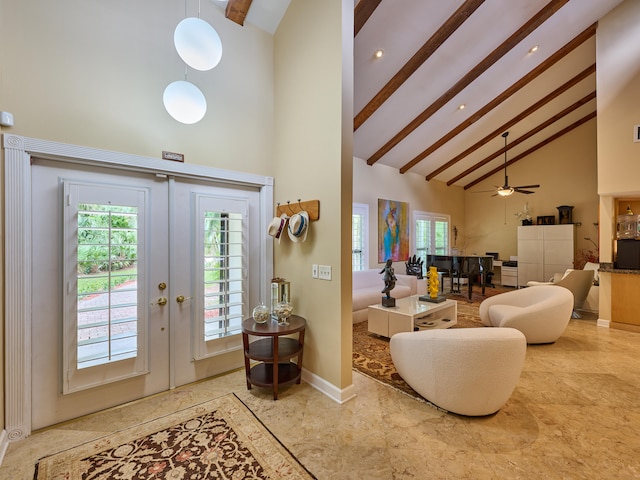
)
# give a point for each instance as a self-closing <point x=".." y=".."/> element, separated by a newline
<point x="575" y="414"/>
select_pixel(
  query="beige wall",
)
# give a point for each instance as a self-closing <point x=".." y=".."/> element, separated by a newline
<point x="310" y="164"/>
<point x="2" y="107"/>
<point x="93" y="73"/>
<point x="565" y="169"/>
<point x="618" y="80"/>
<point x="567" y="173"/>
<point x="378" y="181"/>
<point x="618" y="99"/>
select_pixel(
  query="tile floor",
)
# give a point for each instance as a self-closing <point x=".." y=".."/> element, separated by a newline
<point x="575" y="414"/>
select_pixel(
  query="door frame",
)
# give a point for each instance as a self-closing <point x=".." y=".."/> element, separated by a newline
<point x="18" y="151"/>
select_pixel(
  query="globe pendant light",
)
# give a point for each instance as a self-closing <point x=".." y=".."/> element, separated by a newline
<point x="198" y="44"/>
<point x="184" y="102"/>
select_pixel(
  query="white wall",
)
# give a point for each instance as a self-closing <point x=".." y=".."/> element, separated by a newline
<point x="378" y="181"/>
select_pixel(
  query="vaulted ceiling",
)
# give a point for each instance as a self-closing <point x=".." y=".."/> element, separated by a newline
<point x="440" y="55"/>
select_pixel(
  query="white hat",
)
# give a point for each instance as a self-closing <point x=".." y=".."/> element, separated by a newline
<point x="277" y="225"/>
<point x="298" y="226"/>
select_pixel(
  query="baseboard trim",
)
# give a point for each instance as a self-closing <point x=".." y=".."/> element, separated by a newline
<point x="4" y="443"/>
<point x="330" y="390"/>
<point x="603" y="323"/>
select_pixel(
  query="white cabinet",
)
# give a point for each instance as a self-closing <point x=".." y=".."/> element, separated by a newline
<point x="510" y="276"/>
<point x="544" y="250"/>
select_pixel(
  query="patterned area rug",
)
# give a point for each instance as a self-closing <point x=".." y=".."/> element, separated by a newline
<point x="371" y="355"/>
<point x="218" y="439"/>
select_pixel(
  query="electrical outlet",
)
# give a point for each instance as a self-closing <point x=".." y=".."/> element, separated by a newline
<point x="314" y="270"/>
<point x="324" y="272"/>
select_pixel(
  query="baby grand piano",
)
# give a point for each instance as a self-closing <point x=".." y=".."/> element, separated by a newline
<point x="462" y="266"/>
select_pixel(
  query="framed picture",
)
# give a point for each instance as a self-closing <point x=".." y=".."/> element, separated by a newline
<point x="546" y="220"/>
<point x="393" y="231"/>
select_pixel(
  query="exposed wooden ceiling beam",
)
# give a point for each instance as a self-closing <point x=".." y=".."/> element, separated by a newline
<point x="539" y="104"/>
<point x="504" y="127"/>
<point x="546" y="141"/>
<point x="415" y="62"/>
<point x="237" y="10"/>
<point x="537" y="20"/>
<point x="529" y="134"/>
<point x="362" y="12"/>
<point x="533" y="74"/>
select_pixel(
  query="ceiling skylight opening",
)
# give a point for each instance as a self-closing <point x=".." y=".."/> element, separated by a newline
<point x="378" y="53"/>
<point x="534" y="49"/>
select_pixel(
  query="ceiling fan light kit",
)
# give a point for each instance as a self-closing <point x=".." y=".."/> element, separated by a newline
<point x="506" y="190"/>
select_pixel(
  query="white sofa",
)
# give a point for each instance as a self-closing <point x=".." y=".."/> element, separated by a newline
<point x="368" y="285"/>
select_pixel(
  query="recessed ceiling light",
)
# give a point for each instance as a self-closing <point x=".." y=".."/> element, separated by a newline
<point x="534" y="49"/>
<point x="462" y="107"/>
<point x="378" y="53"/>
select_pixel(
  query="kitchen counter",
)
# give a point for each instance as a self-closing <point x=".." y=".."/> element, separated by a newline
<point x="609" y="268"/>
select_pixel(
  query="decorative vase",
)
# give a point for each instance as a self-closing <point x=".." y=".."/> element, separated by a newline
<point x="283" y="312"/>
<point x="261" y="313"/>
<point x="434" y="282"/>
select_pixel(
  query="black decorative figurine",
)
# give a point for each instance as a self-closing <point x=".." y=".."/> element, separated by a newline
<point x="389" y="279"/>
<point x="414" y="266"/>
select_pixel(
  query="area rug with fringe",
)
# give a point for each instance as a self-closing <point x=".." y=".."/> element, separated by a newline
<point x="220" y="439"/>
<point x="371" y="355"/>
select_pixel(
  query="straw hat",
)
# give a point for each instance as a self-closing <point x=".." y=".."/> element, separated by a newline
<point x="277" y="225"/>
<point x="299" y="226"/>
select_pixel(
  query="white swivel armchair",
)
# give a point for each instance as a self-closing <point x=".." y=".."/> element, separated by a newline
<point x="578" y="282"/>
<point x="541" y="313"/>
<point x="468" y="371"/>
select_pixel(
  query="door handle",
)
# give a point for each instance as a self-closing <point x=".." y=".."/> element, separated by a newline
<point x="161" y="301"/>
<point x="182" y="298"/>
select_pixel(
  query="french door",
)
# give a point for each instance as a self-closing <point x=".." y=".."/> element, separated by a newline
<point x="140" y="283"/>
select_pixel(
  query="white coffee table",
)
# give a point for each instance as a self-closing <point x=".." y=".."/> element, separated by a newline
<point x="410" y="314"/>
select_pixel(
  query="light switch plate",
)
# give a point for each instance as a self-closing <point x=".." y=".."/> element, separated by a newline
<point x="6" y="119"/>
<point x="324" y="272"/>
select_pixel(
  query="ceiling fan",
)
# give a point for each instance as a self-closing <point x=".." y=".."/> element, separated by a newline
<point x="506" y="190"/>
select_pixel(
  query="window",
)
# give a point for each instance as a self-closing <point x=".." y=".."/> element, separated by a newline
<point x="107" y="284"/>
<point x="221" y="270"/>
<point x="359" y="237"/>
<point x="432" y="234"/>
<point x="105" y="264"/>
<point x="223" y="274"/>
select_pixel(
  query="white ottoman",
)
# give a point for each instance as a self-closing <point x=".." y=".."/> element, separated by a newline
<point x="469" y="371"/>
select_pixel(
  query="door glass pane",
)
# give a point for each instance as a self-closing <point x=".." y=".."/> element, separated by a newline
<point x="359" y="237"/>
<point x="357" y="242"/>
<point x="223" y="274"/>
<point x="431" y="234"/>
<point x="107" y="278"/>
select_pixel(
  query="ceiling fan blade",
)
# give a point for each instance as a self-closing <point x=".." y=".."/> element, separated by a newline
<point x="527" y="186"/>
<point x="517" y="190"/>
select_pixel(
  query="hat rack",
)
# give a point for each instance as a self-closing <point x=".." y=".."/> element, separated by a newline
<point x="312" y="207"/>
